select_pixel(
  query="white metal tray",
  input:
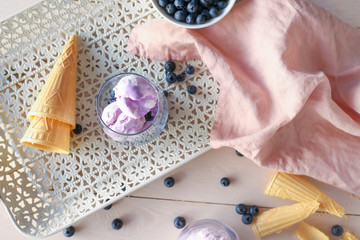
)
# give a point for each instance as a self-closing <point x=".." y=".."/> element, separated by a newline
<point x="46" y="192"/>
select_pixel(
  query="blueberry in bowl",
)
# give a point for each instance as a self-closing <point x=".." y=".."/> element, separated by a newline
<point x="193" y="13"/>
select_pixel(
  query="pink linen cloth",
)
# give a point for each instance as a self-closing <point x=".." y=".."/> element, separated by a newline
<point x="289" y="75"/>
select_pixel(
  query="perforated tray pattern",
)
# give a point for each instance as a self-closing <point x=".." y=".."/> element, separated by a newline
<point x="45" y="192"/>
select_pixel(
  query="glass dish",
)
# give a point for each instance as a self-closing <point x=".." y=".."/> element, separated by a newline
<point x="208" y="229"/>
<point x="146" y="135"/>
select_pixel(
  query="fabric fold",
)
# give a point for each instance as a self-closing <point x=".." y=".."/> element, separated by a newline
<point x="289" y="75"/>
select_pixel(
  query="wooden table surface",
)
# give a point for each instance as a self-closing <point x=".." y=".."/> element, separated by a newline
<point x="149" y="212"/>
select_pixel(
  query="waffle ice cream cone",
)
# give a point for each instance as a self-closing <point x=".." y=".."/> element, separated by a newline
<point x="293" y="187"/>
<point x="308" y="232"/>
<point x="58" y="96"/>
<point x="48" y="134"/>
<point x="277" y="219"/>
<point x="348" y="236"/>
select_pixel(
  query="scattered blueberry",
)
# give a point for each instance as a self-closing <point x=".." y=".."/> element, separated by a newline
<point x="254" y="210"/>
<point x="337" y="230"/>
<point x="111" y="101"/>
<point x="170" y="66"/>
<point x="112" y="94"/>
<point x="180" y="15"/>
<point x="192" y="7"/>
<point x="213" y="12"/>
<point x="170" y="9"/>
<point x="108" y="207"/>
<point x="206" y="14"/>
<point x="69" y="231"/>
<point x="163" y="3"/>
<point x="117" y="224"/>
<point x="246" y="219"/>
<point x="78" y="129"/>
<point x="239" y="153"/>
<point x="191" y="18"/>
<point x="166" y="93"/>
<point x="179" y="4"/>
<point x="206" y="3"/>
<point x="171" y="77"/>
<point x="241" y="209"/>
<point x="225" y="181"/>
<point x="189" y="69"/>
<point x="148" y="117"/>
<point x="181" y="77"/>
<point x="191" y="89"/>
<point x="200" y="19"/>
<point x="179" y="222"/>
<point x="221" y="4"/>
<point x="169" y="182"/>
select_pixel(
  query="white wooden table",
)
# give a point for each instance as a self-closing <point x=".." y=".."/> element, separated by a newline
<point x="149" y="212"/>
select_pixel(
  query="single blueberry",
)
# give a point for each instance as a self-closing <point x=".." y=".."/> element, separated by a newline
<point x="190" y="19"/>
<point x="225" y="181"/>
<point x="179" y="222"/>
<point x="69" y="231"/>
<point x="148" y="117"/>
<point x="254" y="210"/>
<point x="180" y="15"/>
<point x="112" y="94"/>
<point x="221" y="4"/>
<point x="179" y="4"/>
<point x="246" y="219"/>
<point x="78" y="129"/>
<point x="108" y="207"/>
<point x="171" y="77"/>
<point x="191" y="89"/>
<point x="213" y="12"/>
<point x="239" y="153"/>
<point x="163" y="3"/>
<point x="200" y="19"/>
<point x="241" y="209"/>
<point x="169" y="182"/>
<point x="170" y="9"/>
<point x="181" y="77"/>
<point x="117" y="224"/>
<point x="170" y="66"/>
<point x="166" y="93"/>
<point x="337" y="230"/>
<point x="206" y="3"/>
<point x="206" y="14"/>
<point x="189" y="69"/>
<point x="192" y="7"/>
<point x="187" y="1"/>
<point x="111" y="101"/>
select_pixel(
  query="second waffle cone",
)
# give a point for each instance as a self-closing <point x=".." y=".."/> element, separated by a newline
<point x="293" y="187"/>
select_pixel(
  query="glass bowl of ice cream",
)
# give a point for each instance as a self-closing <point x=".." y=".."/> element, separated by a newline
<point x="131" y="109"/>
<point x="208" y="229"/>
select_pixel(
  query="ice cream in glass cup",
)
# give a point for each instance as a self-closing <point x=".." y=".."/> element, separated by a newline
<point x="208" y="229"/>
<point x="131" y="109"/>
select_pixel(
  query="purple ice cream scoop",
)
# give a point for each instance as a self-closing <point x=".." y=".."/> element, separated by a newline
<point x="110" y="114"/>
<point x="135" y="96"/>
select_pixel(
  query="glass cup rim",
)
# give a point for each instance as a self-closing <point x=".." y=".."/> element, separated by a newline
<point x="107" y="82"/>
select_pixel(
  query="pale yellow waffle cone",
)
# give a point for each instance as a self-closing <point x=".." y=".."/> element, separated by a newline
<point x="277" y="219"/>
<point x="293" y="187"/>
<point x="348" y="236"/>
<point x="58" y="96"/>
<point x="308" y="232"/>
<point x="48" y="134"/>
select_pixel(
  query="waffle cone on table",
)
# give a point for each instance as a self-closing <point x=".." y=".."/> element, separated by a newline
<point x="293" y="187"/>
<point x="348" y="236"/>
<point x="308" y="232"/>
<point x="48" y="134"/>
<point x="57" y="98"/>
<point x="277" y="219"/>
